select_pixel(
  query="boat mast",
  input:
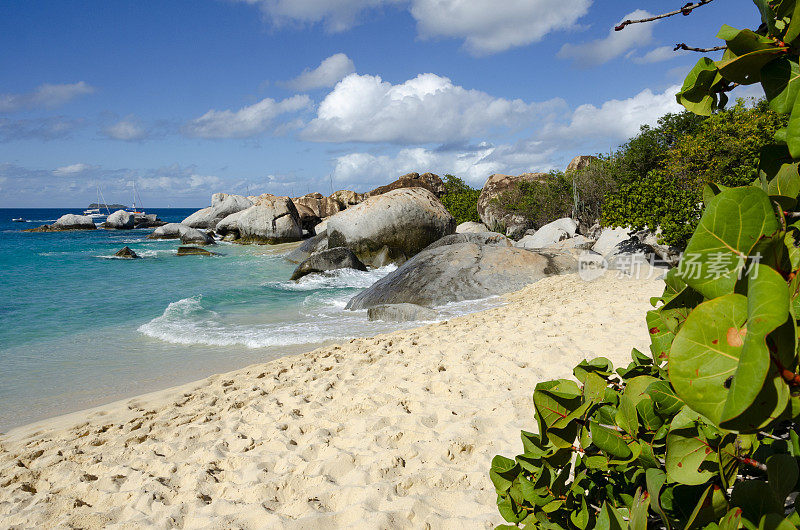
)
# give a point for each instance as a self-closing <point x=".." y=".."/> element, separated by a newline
<point x="104" y="203"/>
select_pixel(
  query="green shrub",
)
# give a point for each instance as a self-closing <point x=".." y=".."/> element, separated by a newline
<point x="461" y="200"/>
<point x="703" y="433"/>
<point x="661" y="172"/>
<point x="539" y="201"/>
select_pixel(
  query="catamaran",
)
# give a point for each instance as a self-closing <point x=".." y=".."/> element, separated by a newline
<point x="94" y="213"/>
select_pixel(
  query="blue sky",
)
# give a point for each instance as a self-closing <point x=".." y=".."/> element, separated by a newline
<point x="191" y="97"/>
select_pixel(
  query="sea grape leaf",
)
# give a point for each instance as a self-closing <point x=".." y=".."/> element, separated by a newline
<point x="638" y="513"/>
<point x="610" y="519"/>
<point x="503" y="472"/>
<point x="706" y="352"/>
<point x="782" y="475"/>
<point x="778" y="174"/>
<point x="767" y="309"/>
<point x="732" y="520"/>
<point x="687" y="451"/>
<point x="755" y="498"/>
<point x="781" y="81"/>
<point x="626" y="415"/>
<point x="697" y="95"/>
<point x="610" y="441"/>
<point x="655" y="479"/>
<point x="773" y="521"/>
<point x="729" y="229"/>
<point x="666" y="402"/>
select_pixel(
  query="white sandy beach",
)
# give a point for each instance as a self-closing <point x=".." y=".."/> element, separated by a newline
<point x="395" y="431"/>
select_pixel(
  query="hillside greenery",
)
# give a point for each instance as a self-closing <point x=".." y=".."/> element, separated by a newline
<point x="461" y="200"/>
<point x="703" y="431"/>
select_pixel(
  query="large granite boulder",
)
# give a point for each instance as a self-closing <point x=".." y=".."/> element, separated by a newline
<point x="189" y="235"/>
<point x="149" y="220"/>
<point x="167" y="231"/>
<point x="229" y="225"/>
<point x="493" y="214"/>
<point x="479" y="238"/>
<point x="347" y="198"/>
<point x="222" y="205"/>
<point x="464" y="271"/>
<point x="320" y="205"/>
<point x="471" y="227"/>
<point x="429" y="181"/>
<point x="549" y="234"/>
<point x="270" y="220"/>
<point x="120" y="220"/>
<point x="308" y="219"/>
<point x="578" y="242"/>
<point x="308" y="247"/>
<point x="580" y="162"/>
<point x="401" y="313"/>
<point x="328" y="260"/>
<point x="74" y="222"/>
<point x="395" y="225"/>
<point x="610" y="238"/>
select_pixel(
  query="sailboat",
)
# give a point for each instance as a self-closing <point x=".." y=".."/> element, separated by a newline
<point x="133" y="209"/>
<point x="94" y="213"/>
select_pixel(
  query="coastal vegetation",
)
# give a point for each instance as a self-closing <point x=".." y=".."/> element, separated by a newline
<point x="461" y="200"/>
<point x="702" y="432"/>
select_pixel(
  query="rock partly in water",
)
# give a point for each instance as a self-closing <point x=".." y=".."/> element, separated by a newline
<point x="471" y="227"/>
<point x="66" y="222"/>
<point x="400" y="222"/>
<point x="229" y="226"/>
<point x="491" y="213"/>
<point x="328" y="260"/>
<point x="479" y="238"/>
<point x="195" y="251"/>
<point x="196" y="237"/>
<point x="149" y="220"/>
<point x="464" y="271"/>
<point x="308" y="247"/>
<point x="167" y="231"/>
<point x="429" y="181"/>
<point x="120" y="220"/>
<point x="270" y="220"/>
<point x="126" y="253"/>
<point x="401" y="313"/>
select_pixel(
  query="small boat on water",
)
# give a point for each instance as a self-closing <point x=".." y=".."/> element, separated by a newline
<point x="94" y="213"/>
<point x="19" y="220"/>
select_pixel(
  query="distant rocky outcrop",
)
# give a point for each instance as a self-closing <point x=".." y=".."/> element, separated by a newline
<point x="126" y="253"/>
<point x="270" y="220"/>
<point x="463" y="271"/>
<point x="120" y="220"/>
<point x="429" y="181"/>
<point x="66" y="222"/>
<point x="493" y="214"/>
<point x="328" y="260"/>
<point x="391" y="227"/>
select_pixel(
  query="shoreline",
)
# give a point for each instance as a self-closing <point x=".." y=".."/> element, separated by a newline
<point x="396" y="429"/>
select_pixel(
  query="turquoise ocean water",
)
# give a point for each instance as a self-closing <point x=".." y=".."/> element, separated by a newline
<point x="79" y="328"/>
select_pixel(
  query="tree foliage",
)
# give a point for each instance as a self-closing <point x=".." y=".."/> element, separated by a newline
<point x="461" y="200"/>
<point x="703" y="432"/>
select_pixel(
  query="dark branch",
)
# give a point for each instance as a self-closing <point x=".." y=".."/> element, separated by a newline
<point x="683" y="46"/>
<point x="685" y="11"/>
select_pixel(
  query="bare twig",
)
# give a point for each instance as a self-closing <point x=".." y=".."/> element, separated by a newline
<point x="683" y="46"/>
<point x="685" y="10"/>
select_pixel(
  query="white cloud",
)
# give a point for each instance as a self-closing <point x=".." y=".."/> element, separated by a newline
<point x="486" y="26"/>
<point x="245" y="122"/>
<point x="426" y="109"/>
<point x="616" y="43"/>
<point x="489" y="26"/>
<point x="620" y="119"/>
<point x="657" y="55"/>
<point x="46" y="95"/>
<point x="128" y="130"/>
<point x="328" y="73"/>
<point x="73" y="169"/>
<point x="338" y="15"/>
